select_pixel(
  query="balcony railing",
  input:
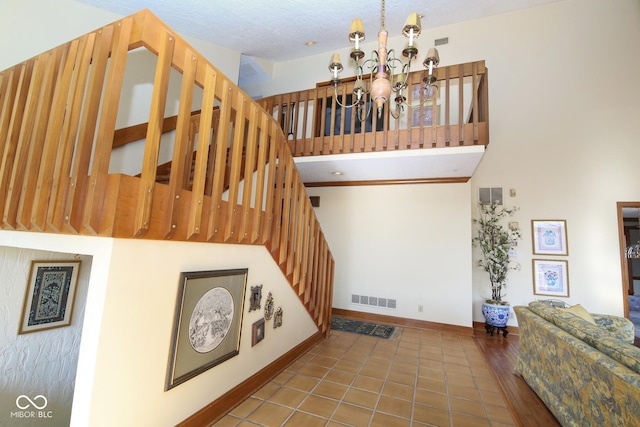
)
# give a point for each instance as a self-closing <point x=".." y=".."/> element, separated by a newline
<point x="454" y="113"/>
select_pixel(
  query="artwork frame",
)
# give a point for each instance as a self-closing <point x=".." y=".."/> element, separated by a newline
<point x="277" y="318"/>
<point x="551" y="277"/>
<point x="269" y="307"/>
<point x="207" y="301"/>
<point x="549" y="237"/>
<point x="47" y="303"/>
<point x="257" y="331"/>
<point x="256" y="298"/>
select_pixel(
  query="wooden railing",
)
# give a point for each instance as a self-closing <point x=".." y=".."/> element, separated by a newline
<point x="58" y="114"/>
<point x="454" y="113"/>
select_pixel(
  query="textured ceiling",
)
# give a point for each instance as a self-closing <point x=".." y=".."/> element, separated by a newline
<point x="277" y="30"/>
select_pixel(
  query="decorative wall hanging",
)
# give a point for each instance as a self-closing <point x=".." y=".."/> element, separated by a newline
<point x="257" y="332"/>
<point x="549" y="237"/>
<point x="207" y="322"/>
<point x="256" y="298"/>
<point x="48" y="301"/>
<point x="551" y="277"/>
<point x="268" y="307"/>
<point x="277" y="318"/>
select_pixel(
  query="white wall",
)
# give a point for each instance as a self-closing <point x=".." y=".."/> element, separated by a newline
<point x="38" y="363"/>
<point x="404" y="242"/>
<point x="563" y="91"/>
<point x="126" y="340"/>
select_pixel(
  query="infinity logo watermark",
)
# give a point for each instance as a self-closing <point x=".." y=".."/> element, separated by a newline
<point x="25" y="402"/>
<point x="30" y="402"/>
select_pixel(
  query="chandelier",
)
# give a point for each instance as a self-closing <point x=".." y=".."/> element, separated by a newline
<point x="387" y="73"/>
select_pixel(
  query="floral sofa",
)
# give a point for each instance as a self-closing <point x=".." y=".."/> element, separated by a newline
<point x="583" y="366"/>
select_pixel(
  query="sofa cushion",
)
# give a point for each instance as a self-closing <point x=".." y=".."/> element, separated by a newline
<point x="618" y="327"/>
<point x="543" y="310"/>
<point x="578" y="327"/>
<point x="581" y="312"/>
<point x="620" y="351"/>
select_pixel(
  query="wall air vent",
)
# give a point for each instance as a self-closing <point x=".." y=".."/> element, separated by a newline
<point x="373" y="301"/>
<point x="440" y="42"/>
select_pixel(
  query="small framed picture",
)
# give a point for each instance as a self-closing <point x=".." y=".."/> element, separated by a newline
<point x="551" y="277"/>
<point x="51" y="289"/>
<point x="549" y="237"/>
<point x="256" y="298"/>
<point x="257" y="332"/>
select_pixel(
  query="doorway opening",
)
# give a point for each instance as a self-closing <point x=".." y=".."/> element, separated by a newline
<point x="629" y="234"/>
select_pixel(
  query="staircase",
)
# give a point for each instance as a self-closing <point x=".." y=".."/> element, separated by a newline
<point x="232" y="179"/>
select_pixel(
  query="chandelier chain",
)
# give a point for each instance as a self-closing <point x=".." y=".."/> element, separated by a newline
<point x="382" y="28"/>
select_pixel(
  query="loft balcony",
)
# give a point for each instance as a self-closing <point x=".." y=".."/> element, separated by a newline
<point x="452" y="117"/>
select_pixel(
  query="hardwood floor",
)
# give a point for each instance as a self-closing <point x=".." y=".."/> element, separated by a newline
<point x="501" y="354"/>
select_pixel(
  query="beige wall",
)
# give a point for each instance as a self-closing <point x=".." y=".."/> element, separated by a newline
<point x="404" y="242"/>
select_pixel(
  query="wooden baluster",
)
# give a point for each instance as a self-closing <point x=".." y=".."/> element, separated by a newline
<point x="474" y="95"/>
<point x="146" y="188"/>
<point x="268" y="220"/>
<point x="93" y="64"/>
<point x="182" y="147"/>
<point x="235" y="166"/>
<point x="286" y="206"/>
<point x="106" y="127"/>
<point x="215" y="210"/>
<point x="293" y="223"/>
<point x="196" y="207"/>
<point x="447" y="107"/>
<point x="305" y="117"/>
<point x="261" y="170"/>
<point x="249" y="168"/>
<point x="461" y="117"/>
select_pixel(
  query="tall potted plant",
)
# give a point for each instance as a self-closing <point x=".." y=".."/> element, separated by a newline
<point x="495" y="242"/>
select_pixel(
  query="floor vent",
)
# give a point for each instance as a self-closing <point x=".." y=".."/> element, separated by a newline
<point x="373" y="301"/>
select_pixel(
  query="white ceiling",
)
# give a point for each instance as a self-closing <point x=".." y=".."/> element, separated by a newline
<point x="278" y="30"/>
<point x="432" y="163"/>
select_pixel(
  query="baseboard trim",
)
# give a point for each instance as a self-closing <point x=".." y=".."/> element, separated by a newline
<point x="225" y="403"/>
<point x="401" y="321"/>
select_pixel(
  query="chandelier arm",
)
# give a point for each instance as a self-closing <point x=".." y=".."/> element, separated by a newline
<point x="337" y="93"/>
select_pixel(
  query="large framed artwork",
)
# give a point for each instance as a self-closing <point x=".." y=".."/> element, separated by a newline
<point x="207" y="322"/>
<point x="549" y="237"/>
<point x="551" y="277"/>
<point x="51" y="290"/>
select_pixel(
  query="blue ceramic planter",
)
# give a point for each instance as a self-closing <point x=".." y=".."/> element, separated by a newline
<point x="496" y="314"/>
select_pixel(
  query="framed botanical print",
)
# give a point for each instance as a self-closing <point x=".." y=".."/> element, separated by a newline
<point x="549" y="237"/>
<point x="207" y="322"/>
<point x="51" y="290"/>
<point x="551" y="277"/>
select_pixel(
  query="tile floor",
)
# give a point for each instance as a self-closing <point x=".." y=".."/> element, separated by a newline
<point x="416" y="378"/>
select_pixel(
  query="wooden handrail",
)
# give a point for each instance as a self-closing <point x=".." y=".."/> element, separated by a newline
<point x="315" y="124"/>
<point x="58" y="115"/>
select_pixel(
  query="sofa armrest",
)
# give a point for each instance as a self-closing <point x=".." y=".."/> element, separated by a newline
<point x="618" y="327"/>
